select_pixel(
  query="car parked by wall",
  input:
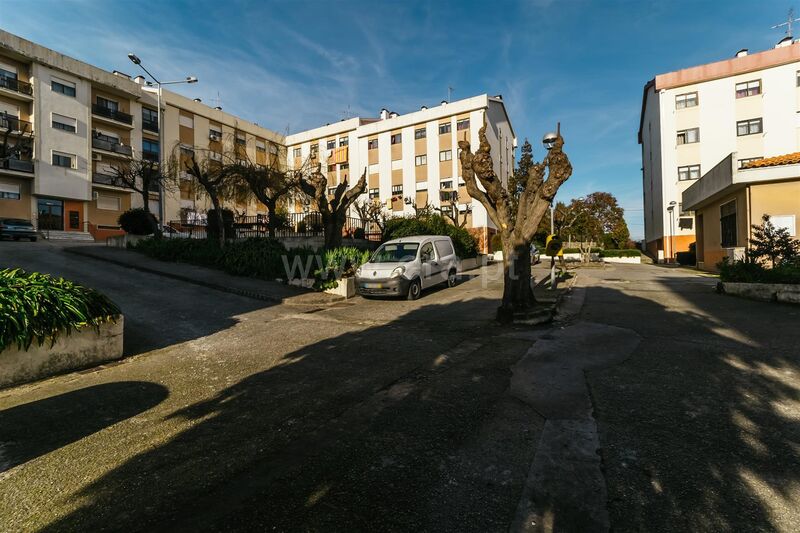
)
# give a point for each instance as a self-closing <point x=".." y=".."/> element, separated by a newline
<point x="17" y="228"/>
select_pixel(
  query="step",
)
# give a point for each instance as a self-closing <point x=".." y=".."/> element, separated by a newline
<point x="67" y="235"/>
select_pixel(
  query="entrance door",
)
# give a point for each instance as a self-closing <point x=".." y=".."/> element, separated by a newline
<point x="74" y="218"/>
<point x="50" y="213"/>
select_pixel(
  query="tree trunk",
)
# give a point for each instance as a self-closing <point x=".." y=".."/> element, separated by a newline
<point x="271" y="221"/>
<point x="220" y="220"/>
<point x="146" y="207"/>
<point x="333" y="223"/>
<point x="517" y="290"/>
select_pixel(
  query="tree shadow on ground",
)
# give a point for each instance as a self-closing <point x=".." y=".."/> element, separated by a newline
<point x="397" y="427"/>
<point x="699" y="427"/>
<point x="36" y="428"/>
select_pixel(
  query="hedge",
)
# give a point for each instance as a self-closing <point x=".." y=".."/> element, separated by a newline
<point x="686" y="258"/>
<point x="37" y="307"/>
<point x="137" y="221"/>
<point x="749" y="272"/>
<point x="463" y="241"/>
<point x="620" y="253"/>
<point x="578" y="250"/>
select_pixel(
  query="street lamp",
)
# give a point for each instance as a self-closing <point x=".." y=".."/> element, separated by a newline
<point x="189" y="79"/>
<point x="671" y="210"/>
<point x="549" y="140"/>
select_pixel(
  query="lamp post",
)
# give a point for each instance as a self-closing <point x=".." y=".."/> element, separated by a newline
<point x="671" y="210"/>
<point x="189" y="79"/>
<point x="548" y="141"/>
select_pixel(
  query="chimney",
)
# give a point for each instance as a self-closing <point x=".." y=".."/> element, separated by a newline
<point x="786" y="41"/>
<point x="218" y="108"/>
<point x="393" y="115"/>
<point x="499" y="96"/>
<point x="139" y="80"/>
<point x="384" y="114"/>
<point x="198" y="100"/>
<point x="742" y="52"/>
<point x="423" y="108"/>
<point x="120" y="74"/>
<point x="444" y="102"/>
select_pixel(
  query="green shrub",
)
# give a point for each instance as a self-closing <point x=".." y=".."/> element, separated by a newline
<point x="339" y="263"/>
<point x="39" y="308"/>
<point x="463" y="241"/>
<point x="752" y="272"/>
<point x="686" y="258"/>
<point x="620" y="253"/>
<point x="212" y="231"/>
<point x="359" y="233"/>
<point x="578" y="250"/>
<point x="137" y="221"/>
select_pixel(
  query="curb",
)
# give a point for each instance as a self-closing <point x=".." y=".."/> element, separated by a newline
<point x="207" y="284"/>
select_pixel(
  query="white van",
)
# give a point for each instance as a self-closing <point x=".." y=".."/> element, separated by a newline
<point x="406" y="266"/>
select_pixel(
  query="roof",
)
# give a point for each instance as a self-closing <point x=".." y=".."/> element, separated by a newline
<point x="786" y="159"/>
<point x="417" y="238"/>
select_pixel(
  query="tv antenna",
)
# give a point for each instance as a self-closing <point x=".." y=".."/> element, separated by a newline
<point x="450" y="94"/>
<point x="346" y="113"/>
<point x="790" y="20"/>
<point x="217" y="101"/>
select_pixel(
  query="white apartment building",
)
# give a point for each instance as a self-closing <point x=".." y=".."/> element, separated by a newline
<point x="412" y="159"/>
<point x="693" y="118"/>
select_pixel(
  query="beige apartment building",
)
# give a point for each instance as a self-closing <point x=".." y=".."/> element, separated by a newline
<point x="694" y="118"/>
<point x="81" y="121"/>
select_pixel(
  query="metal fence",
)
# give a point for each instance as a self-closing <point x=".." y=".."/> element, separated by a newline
<point x="291" y="225"/>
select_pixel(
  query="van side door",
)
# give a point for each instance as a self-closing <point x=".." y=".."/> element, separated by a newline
<point x="429" y="266"/>
<point x="446" y="257"/>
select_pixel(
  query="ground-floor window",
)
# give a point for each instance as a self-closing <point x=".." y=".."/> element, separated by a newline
<point x="9" y="191"/>
<point x="727" y="222"/>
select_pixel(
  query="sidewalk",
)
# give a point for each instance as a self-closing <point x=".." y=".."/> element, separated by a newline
<point x="270" y="291"/>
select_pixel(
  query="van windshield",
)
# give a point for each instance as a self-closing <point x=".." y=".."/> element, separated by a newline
<point x="395" y="253"/>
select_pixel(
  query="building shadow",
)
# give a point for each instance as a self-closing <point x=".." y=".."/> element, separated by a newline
<point x="36" y="428"/>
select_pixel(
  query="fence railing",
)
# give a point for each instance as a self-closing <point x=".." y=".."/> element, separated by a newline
<point x="291" y="225"/>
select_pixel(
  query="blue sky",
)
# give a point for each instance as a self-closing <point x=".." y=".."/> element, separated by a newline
<point x="292" y="65"/>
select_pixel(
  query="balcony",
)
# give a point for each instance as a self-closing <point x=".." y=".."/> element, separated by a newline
<point x="18" y="165"/>
<point x="149" y="155"/>
<point x="106" y="179"/>
<point x="150" y="125"/>
<point x="112" y="114"/>
<point x="18" y="89"/>
<point x="111" y="146"/>
<point x="16" y="125"/>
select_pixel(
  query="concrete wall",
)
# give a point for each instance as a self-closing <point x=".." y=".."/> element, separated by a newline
<point x="17" y="208"/>
<point x="776" y="199"/>
<point x="79" y="350"/>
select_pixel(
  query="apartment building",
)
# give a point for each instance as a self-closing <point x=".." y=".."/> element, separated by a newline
<point x="694" y="118"/>
<point x="78" y="121"/>
<point x="411" y="160"/>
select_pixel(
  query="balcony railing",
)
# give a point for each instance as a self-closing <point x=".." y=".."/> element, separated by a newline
<point x="102" y="144"/>
<point x="119" y="116"/>
<point x="10" y="122"/>
<point x="150" y="125"/>
<point x="106" y="179"/>
<point x="17" y="165"/>
<point x="150" y="156"/>
<point x="16" y="85"/>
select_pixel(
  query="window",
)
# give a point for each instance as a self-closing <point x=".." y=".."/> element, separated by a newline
<point x="108" y="203"/>
<point x="62" y="160"/>
<point x="187" y="121"/>
<point x="241" y="140"/>
<point x="426" y="252"/>
<point x="9" y="191"/>
<point x="273" y="149"/>
<point x="64" y="87"/>
<point x="446" y="185"/>
<point x="344" y="141"/>
<point x="150" y="150"/>
<point x="331" y="168"/>
<point x="745" y="161"/>
<point x="683" y="101"/>
<point x="462" y="124"/>
<point x="443" y="248"/>
<point x="690" y="172"/>
<point x="261" y="146"/>
<point x="749" y="127"/>
<point x="421" y="160"/>
<point x="108" y="104"/>
<point x="60" y="122"/>
<point x="397" y="189"/>
<point x="374" y="193"/>
<point x="331" y="191"/>
<point x="330" y="145"/>
<point x="344" y="166"/>
<point x="420" y="133"/>
<point x="444" y="128"/>
<point x="372" y="144"/>
<point x="314" y="150"/>
<point x="149" y="119"/>
<point x="786" y="222"/>
<point x="748" y="88"/>
<point x="727" y="222"/>
<point x="298" y="153"/>
<point x="689" y="136"/>
<point x="396" y="138"/>
<point x="445" y="155"/>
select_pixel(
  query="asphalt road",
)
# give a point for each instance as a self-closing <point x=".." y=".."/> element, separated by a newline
<point x="232" y="413"/>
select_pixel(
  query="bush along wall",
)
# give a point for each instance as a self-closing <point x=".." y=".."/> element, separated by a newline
<point x="40" y="308"/>
<point x="753" y="272"/>
<point x="620" y="253"/>
<point x="463" y="241"/>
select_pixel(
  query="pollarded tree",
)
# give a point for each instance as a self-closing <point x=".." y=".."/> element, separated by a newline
<point x="333" y="209"/>
<point x="142" y="176"/>
<point x="516" y="228"/>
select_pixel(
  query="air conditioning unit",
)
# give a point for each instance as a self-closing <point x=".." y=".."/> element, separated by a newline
<point x="214" y="137"/>
<point x="97" y="157"/>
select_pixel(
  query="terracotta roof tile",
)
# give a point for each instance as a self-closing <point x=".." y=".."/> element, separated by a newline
<point x="787" y="159"/>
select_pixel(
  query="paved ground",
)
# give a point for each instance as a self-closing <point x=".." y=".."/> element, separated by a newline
<point x="233" y="413"/>
<point x="236" y="413"/>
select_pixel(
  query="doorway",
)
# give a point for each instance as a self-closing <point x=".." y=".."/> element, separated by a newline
<point x="50" y="213"/>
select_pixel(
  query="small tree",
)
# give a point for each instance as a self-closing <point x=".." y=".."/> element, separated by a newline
<point x="269" y="185"/>
<point x="592" y="219"/>
<point x="143" y="176"/>
<point x="515" y="226"/>
<point x="333" y="208"/>
<point x="371" y="211"/>
<point x="772" y="243"/>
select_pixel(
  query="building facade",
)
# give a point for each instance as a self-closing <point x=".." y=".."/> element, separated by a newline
<point x="412" y="160"/>
<point x="694" y="118"/>
<point x="79" y="122"/>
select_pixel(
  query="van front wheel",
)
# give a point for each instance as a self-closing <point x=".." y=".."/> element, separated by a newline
<point x="452" y="278"/>
<point x="414" y="290"/>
